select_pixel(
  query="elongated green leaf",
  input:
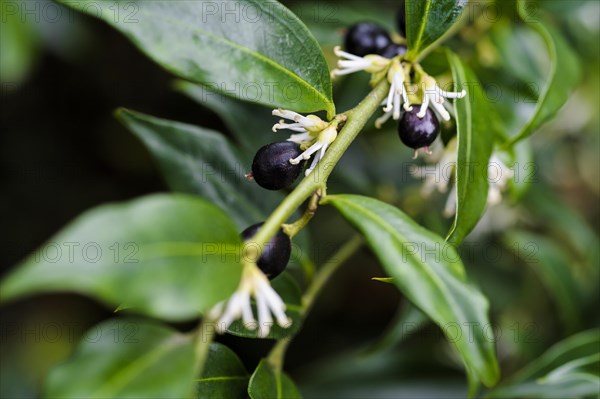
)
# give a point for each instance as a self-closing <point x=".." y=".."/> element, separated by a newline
<point x="224" y="375"/>
<point x="292" y="297"/>
<point x="126" y="358"/>
<point x="250" y="124"/>
<point x="169" y="256"/>
<point x="200" y="161"/>
<point x="268" y="383"/>
<point x="569" y="227"/>
<point x="249" y="49"/>
<point x="569" y="369"/>
<point x="564" y="71"/>
<point x="555" y="270"/>
<point x="576" y="346"/>
<point x="428" y="20"/>
<point x="475" y="125"/>
<point x="430" y="274"/>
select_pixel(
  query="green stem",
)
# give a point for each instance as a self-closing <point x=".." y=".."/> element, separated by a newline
<point x="277" y="354"/>
<point x="356" y="120"/>
<point x="327" y="270"/>
<point x="292" y="229"/>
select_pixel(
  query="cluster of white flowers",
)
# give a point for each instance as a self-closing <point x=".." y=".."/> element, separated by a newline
<point x="315" y="136"/>
<point x="268" y="304"/>
<point x="313" y="132"/>
<point x="439" y="174"/>
<point x="398" y="96"/>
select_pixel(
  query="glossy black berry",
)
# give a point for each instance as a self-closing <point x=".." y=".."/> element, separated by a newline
<point x="418" y="132"/>
<point x="366" y="38"/>
<point x="393" y="50"/>
<point x="271" y="167"/>
<point x="401" y="19"/>
<point x="275" y="255"/>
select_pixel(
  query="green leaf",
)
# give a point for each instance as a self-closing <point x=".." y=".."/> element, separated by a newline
<point x="19" y="41"/>
<point x="564" y="73"/>
<point x="126" y="358"/>
<point x="568" y="227"/>
<point x="169" y="256"/>
<point x="568" y="369"/>
<point x="269" y="383"/>
<point x="224" y="375"/>
<point x="554" y="269"/>
<point x="290" y="293"/>
<point x="200" y="161"/>
<point x="428" y="271"/>
<point x="524" y="169"/>
<point x="475" y="126"/>
<point x="576" y="346"/>
<point x="249" y="123"/>
<point x="429" y="20"/>
<point x="249" y="49"/>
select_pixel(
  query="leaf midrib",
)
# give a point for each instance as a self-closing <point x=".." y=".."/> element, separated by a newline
<point x="114" y="384"/>
<point x="466" y="172"/>
<point x="238" y="47"/>
<point x="452" y="305"/>
<point x="222" y="378"/>
<point x="419" y="38"/>
<point x="397" y="237"/>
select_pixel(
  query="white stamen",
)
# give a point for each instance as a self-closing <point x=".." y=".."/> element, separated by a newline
<point x="352" y="63"/>
<point x="382" y="119"/>
<point x="450" y="94"/>
<point x="306" y="154"/>
<point x="441" y="110"/>
<point x="264" y="316"/>
<point x="300" y="138"/>
<point x="275" y="303"/>
<point x="337" y="50"/>
<point x="388" y="107"/>
<point x="313" y="165"/>
<point x="423" y="110"/>
<point x="396" y="114"/>
<point x="247" y="315"/>
<point x="254" y="283"/>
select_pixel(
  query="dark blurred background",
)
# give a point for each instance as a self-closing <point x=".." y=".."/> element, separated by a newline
<point x="63" y="152"/>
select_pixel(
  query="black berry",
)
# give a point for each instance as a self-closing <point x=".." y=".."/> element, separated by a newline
<point x="366" y="38"/>
<point x="276" y="253"/>
<point x="271" y="167"/>
<point x="418" y="132"/>
<point x="392" y="50"/>
<point x="401" y="19"/>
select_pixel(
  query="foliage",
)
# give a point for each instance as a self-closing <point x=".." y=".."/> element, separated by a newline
<point x="178" y="257"/>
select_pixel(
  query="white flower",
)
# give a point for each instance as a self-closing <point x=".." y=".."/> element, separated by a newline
<point x="498" y="177"/>
<point x="302" y="124"/>
<point x="351" y="63"/>
<point x="253" y="284"/>
<point x="438" y="177"/>
<point x="396" y="95"/>
<point x="313" y="133"/>
<point x="318" y="148"/>
<point x="433" y="95"/>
